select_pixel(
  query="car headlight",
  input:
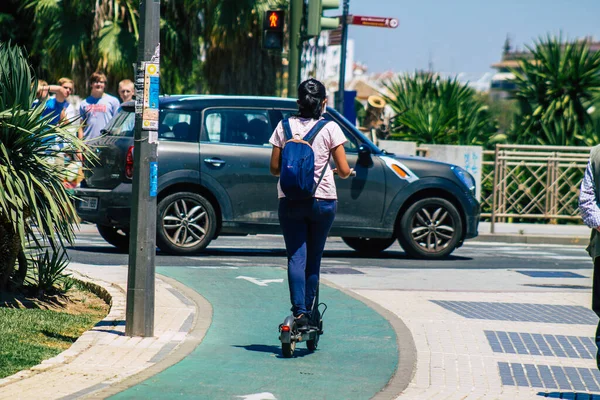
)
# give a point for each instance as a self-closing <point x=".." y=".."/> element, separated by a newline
<point x="465" y="177"/>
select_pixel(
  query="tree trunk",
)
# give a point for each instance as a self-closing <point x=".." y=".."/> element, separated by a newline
<point x="10" y="246"/>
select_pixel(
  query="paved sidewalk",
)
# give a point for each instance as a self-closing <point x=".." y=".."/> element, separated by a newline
<point x="533" y="233"/>
<point x="506" y="337"/>
<point x="456" y="360"/>
<point x="104" y="357"/>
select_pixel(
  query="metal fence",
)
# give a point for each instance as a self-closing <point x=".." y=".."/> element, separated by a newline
<point x="522" y="182"/>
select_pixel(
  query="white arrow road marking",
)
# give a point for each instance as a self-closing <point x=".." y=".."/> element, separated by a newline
<point x="260" y="282"/>
<point x="258" y="396"/>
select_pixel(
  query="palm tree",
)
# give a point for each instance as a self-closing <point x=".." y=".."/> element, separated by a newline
<point x="235" y="63"/>
<point x="180" y="45"/>
<point x="77" y="37"/>
<point x="429" y="109"/>
<point x="556" y="89"/>
<point x="33" y="198"/>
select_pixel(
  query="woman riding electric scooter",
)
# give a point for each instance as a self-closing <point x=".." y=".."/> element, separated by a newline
<point x="306" y="222"/>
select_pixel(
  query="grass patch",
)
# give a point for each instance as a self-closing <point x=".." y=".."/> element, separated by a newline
<point x="31" y="335"/>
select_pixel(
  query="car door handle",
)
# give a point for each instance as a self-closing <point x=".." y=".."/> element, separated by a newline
<point x="215" y="162"/>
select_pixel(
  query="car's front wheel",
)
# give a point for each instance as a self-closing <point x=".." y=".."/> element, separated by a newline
<point x="431" y="229"/>
<point x="186" y="223"/>
<point x="115" y="236"/>
<point x="369" y="246"/>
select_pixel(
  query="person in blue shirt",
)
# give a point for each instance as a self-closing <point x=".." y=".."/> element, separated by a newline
<point x="58" y="106"/>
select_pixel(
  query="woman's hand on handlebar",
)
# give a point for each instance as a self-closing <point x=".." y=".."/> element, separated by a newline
<point x="352" y="171"/>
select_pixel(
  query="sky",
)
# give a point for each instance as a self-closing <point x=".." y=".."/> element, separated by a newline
<point x="462" y="35"/>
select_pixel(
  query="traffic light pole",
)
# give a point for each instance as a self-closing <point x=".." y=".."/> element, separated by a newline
<point x="139" y="317"/>
<point x="296" y="10"/>
<point x="342" y="80"/>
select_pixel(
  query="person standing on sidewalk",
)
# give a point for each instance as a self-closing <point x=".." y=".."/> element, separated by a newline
<point x="306" y="222"/>
<point x="589" y="199"/>
<point x="126" y="89"/>
<point x="97" y="109"/>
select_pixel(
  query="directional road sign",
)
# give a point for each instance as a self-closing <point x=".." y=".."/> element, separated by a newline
<point x="379" y="22"/>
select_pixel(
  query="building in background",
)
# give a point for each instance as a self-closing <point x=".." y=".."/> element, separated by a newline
<point x="502" y="84"/>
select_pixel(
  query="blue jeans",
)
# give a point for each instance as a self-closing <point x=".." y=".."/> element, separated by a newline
<point x="305" y="225"/>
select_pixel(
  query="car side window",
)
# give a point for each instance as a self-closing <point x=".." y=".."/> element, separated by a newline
<point x="178" y="125"/>
<point x="122" y="124"/>
<point x="237" y="126"/>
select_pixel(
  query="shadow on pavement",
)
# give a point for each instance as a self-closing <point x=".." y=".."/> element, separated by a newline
<point x="264" y="348"/>
<point x="108" y="249"/>
<point x="391" y="255"/>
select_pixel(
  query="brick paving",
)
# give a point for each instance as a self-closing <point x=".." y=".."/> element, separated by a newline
<point x="457" y="360"/>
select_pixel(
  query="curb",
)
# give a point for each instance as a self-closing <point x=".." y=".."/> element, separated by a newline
<point x="407" y="350"/>
<point x="531" y="239"/>
<point x="193" y="338"/>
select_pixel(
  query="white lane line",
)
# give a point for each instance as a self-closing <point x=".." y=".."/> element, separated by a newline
<point x="213" y="267"/>
<point x="211" y="259"/>
<point x="531" y="253"/>
<point x="260" y="282"/>
<point x="588" y="258"/>
<point x="236" y="246"/>
<point x="334" y="262"/>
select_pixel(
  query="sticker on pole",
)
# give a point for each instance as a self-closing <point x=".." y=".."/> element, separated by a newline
<point x="150" y="98"/>
<point x="153" y="178"/>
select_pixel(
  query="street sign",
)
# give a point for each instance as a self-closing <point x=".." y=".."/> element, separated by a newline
<point x="335" y="37"/>
<point x="379" y="22"/>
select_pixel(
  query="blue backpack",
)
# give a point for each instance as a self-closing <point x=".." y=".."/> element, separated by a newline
<point x="297" y="176"/>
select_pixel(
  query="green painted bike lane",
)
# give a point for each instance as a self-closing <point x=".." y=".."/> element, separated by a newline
<point x="241" y="353"/>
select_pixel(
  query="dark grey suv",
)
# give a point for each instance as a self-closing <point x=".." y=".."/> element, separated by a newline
<point x="213" y="179"/>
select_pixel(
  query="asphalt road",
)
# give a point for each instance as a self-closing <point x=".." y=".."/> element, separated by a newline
<point x="269" y="250"/>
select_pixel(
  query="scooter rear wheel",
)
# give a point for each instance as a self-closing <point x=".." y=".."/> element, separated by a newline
<point x="287" y="349"/>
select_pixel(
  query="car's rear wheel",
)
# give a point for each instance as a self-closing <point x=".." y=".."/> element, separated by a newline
<point x="186" y="223"/>
<point x="115" y="236"/>
<point x="431" y="229"/>
<point x="368" y="246"/>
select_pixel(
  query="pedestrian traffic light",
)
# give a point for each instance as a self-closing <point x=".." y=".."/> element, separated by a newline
<point x="316" y="21"/>
<point x="273" y="30"/>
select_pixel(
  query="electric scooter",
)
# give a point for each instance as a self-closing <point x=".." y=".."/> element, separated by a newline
<point x="289" y="334"/>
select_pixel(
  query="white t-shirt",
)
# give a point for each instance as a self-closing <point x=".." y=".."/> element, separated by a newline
<point x="329" y="137"/>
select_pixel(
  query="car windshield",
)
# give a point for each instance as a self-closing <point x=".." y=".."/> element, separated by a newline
<point x="340" y="119"/>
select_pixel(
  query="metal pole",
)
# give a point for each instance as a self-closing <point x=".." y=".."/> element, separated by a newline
<point x="296" y="10"/>
<point x="495" y="189"/>
<point x="342" y="80"/>
<point x="139" y="318"/>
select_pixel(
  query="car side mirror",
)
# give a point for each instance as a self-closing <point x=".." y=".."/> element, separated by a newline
<point x="364" y="156"/>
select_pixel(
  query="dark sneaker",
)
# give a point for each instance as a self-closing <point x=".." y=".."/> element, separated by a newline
<point x="302" y="322"/>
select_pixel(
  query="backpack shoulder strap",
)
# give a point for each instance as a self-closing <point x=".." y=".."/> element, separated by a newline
<point x="287" y="130"/>
<point x="312" y="134"/>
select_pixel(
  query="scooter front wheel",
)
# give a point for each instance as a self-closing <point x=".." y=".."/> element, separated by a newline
<point x="311" y="345"/>
<point x="287" y="349"/>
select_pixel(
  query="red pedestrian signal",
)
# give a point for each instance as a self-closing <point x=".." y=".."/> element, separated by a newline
<point x="273" y="30"/>
<point x="274" y="20"/>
